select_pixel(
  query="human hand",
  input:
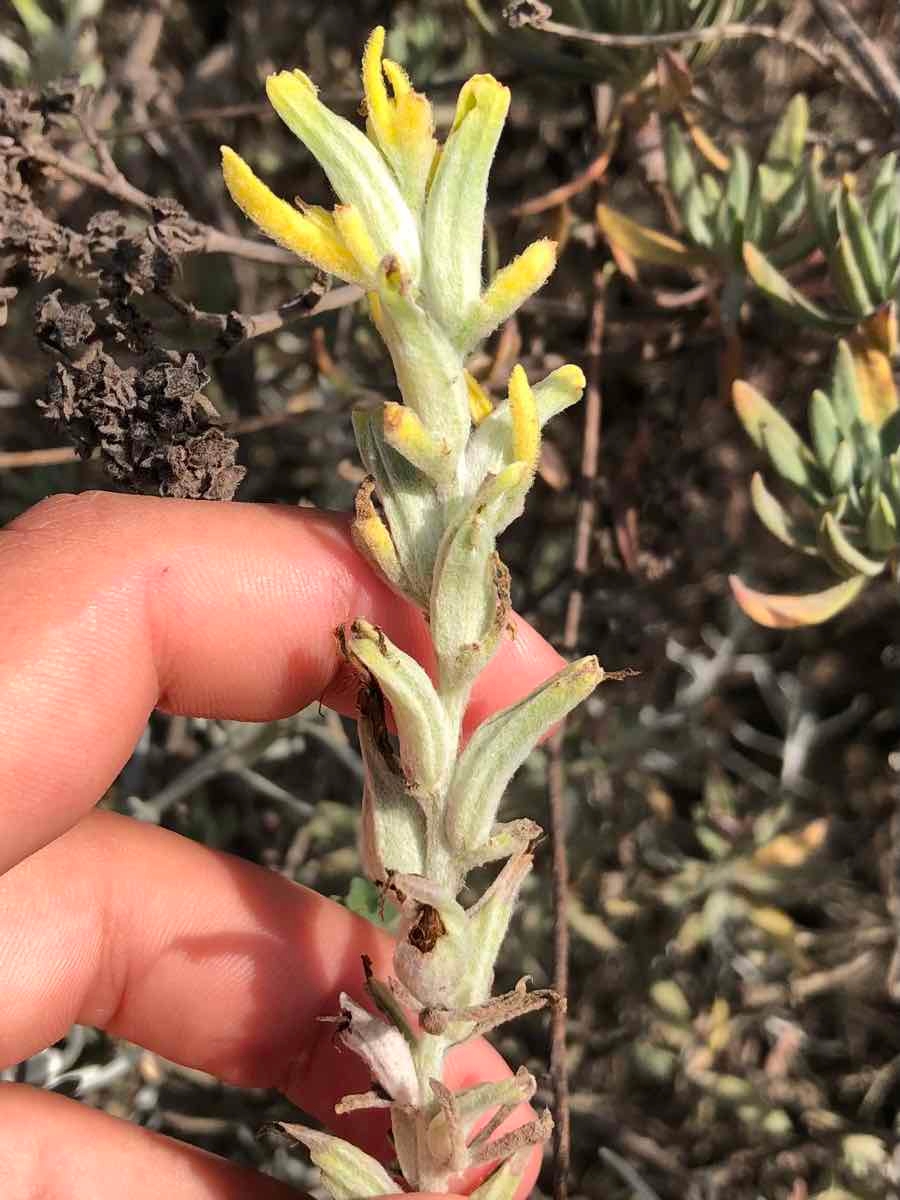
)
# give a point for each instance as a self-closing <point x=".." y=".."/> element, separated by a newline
<point x="111" y="606"/>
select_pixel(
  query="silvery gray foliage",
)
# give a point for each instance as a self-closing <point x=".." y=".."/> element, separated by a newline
<point x="448" y="471"/>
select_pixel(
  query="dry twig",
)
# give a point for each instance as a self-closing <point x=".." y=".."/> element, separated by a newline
<point x="592" y="173"/>
<point x="56" y="456"/>
<point x="212" y="241"/>
<point x="864" y="53"/>
<point x="587" y="513"/>
<point x="732" y="31"/>
<point x="141" y="54"/>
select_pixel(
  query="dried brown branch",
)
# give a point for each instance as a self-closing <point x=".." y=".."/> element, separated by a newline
<point x="54" y="456"/>
<point x="733" y="31"/>
<point x="864" y="53"/>
<point x="137" y="61"/>
<point x="196" y="116"/>
<point x="209" y="239"/>
<point x="592" y="173"/>
<point x="234" y="328"/>
<point x="587" y="513"/>
<point x="247" y="108"/>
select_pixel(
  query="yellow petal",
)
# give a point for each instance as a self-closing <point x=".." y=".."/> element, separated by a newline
<point x="354" y="163"/>
<point x="376" y="312"/>
<point x="401" y="125"/>
<point x="518" y="280"/>
<point x="298" y="75"/>
<point x="480" y="91"/>
<point x="414" y="130"/>
<point x="512" y="477"/>
<point x="309" y="236"/>
<point x="571" y="376"/>
<point x="480" y="404"/>
<point x="404" y="430"/>
<point x="511" y="287"/>
<point x="525" y="420"/>
<point x="378" y="103"/>
<point x="398" y="78"/>
<point x="319" y="216"/>
<point x="373" y="538"/>
<point x="356" y="237"/>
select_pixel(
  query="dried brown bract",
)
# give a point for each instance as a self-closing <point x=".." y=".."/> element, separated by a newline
<point x="155" y="429"/>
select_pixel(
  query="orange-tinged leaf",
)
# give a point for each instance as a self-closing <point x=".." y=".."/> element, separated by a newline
<point x="793" y="849"/>
<point x="792" y="612"/>
<point x="704" y="143"/>
<point x="646" y="245"/>
<point x="872" y="344"/>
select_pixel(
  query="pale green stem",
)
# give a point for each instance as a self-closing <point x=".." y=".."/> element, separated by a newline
<point x="429" y="1057"/>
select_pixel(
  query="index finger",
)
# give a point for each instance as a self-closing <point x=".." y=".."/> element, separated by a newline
<point x="114" y="604"/>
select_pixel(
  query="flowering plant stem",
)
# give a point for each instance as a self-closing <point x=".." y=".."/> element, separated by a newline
<point x="447" y="471"/>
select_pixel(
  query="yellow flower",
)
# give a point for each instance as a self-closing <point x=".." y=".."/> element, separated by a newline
<point x="354" y="165"/>
<point x="400" y="124"/>
<point x="311" y="234"/>
<point x="453" y="222"/>
<point x="526" y="424"/>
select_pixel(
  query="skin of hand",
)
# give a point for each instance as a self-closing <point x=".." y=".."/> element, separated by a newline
<point x="112" y="606"/>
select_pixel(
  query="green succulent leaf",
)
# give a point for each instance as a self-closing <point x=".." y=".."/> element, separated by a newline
<point x="842" y="555"/>
<point x="787" y="298"/>
<point x="866" y="254"/>
<point x="886" y="175"/>
<point x="787" y="451"/>
<point x="890" y="434"/>
<point x="791" y="208"/>
<point x="756" y="414"/>
<point x="737" y="188"/>
<point x="787" y="458"/>
<point x="729" y="219"/>
<point x="793" y="249"/>
<point x="840" y="469"/>
<point x="823" y="427"/>
<point x="882" y="213"/>
<point x="777" y="520"/>
<point x="680" y="168"/>
<point x="712" y="192"/>
<point x="786" y="146"/>
<point x="849" y="278"/>
<point x="881" y="526"/>
<point x="821" y="203"/>
<point x="696" y="212"/>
